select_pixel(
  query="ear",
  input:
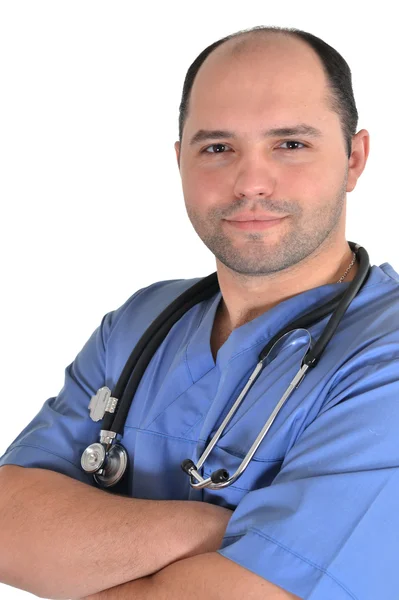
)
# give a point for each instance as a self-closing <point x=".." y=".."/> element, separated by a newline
<point x="177" y="150"/>
<point x="358" y="157"/>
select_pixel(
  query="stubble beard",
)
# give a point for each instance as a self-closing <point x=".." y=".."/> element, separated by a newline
<point x="254" y="253"/>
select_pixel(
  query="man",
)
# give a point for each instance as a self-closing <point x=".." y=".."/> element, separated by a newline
<point x="264" y="135"/>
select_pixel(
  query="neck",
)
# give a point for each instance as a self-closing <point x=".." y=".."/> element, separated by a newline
<point x="244" y="297"/>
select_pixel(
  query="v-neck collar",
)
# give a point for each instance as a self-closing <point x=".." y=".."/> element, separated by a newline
<point x="258" y="331"/>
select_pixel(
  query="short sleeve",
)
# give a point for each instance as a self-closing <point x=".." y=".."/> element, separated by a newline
<point x="327" y="528"/>
<point x="59" y="433"/>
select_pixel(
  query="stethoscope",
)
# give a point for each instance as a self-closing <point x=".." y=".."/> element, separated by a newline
<point x="107" y="461"/>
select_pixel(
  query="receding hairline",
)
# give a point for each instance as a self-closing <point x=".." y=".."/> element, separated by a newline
<point x="247" y="41"/>
<point x="243" y="44"/>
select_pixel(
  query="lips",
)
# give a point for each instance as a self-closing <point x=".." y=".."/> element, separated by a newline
<point x="253" y="224"/>
<point x="257" y="217"/>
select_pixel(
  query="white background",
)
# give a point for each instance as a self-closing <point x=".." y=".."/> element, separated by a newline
<point x="90" y="194"/>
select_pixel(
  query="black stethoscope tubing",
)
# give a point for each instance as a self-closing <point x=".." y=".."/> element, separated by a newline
<point x="204" y="289"/>
<point x="146" y="347"/>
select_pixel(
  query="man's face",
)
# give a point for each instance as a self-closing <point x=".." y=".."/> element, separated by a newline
<point x="300" y="177"/>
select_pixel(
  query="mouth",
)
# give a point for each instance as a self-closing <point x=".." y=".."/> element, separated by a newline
<point x="250" y="216"/>
<point x="254" y="224"/>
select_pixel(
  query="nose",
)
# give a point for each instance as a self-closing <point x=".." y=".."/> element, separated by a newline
<point x="255" y="177"/>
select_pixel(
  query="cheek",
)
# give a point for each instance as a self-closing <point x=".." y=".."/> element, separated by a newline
<point x="310" y="182"/>
<point x="205" y="188"/>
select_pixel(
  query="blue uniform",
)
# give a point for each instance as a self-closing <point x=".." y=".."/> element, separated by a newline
<point x="316" y="511"/>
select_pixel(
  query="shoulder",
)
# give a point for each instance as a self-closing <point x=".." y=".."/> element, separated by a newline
<point x="377" y="304"/>
<point x="368" y="338"/>
<point x="148" y="302"/>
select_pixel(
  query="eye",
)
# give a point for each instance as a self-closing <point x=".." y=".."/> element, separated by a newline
<point x="220" y="148"/>
<point x="292" y="142"/>
<point x="217" y="149"/>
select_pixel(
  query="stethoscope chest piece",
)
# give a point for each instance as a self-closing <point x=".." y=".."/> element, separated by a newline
<point x="107" y="467"/>
<point x="93" y="458"/>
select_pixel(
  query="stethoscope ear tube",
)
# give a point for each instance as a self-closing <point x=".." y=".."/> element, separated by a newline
<point x="208" y="285"/>
<point x="148" y="344"/>
<point x="349" y="294"/>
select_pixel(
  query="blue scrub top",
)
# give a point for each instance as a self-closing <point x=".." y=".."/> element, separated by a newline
<point x="316" y="511"/>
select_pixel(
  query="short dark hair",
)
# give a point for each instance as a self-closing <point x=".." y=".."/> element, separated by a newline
<point x="337" y="70"/>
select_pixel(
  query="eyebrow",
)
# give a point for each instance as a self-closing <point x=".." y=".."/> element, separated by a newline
<point x="203" y="135"/>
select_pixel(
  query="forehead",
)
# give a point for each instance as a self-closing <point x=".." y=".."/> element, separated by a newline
<point x="276" y="79"/>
